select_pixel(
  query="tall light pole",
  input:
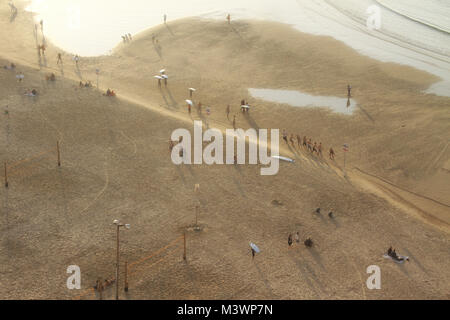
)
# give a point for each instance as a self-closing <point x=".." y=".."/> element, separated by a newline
<point x="118" y="225"/>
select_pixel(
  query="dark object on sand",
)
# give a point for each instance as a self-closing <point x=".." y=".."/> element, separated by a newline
<point x="318" y="210"/>
<point x="308" y="242"/>
<point x="277" y="203"/>
<point x="330" y="215"/>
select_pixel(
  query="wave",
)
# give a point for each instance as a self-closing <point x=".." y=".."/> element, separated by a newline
<point x="414" y="18"/>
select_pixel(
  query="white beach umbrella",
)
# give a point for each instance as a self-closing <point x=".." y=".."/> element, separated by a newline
<point x="164" y="76"/>
<point x="191" y="89"/>
<point x="158" y="77"/>
<point x="189" y="102"/>
<point x="255" y="247"/>
<point x="162" y="70"/>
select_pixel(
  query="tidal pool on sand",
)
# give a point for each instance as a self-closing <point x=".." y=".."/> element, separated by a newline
<point x="299" y="99"/>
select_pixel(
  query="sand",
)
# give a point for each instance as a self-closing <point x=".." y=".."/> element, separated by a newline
<point x="116" y="165"/>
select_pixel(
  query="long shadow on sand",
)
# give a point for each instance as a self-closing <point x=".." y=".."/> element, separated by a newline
<point x="307" y="273"/>
<point x="239" y="35"/>
<point x="316" y="257"/>
<point x="170" y="30"/>
<point x="174" y="103"/>
<point x="251" y="122"/>
<point x="265" y="281"/>
<point x="13" y="16"/>
<point x="366" y="113"/>
<point x="158" y="49"/>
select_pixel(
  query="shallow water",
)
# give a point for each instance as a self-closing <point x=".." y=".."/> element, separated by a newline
<point x="299" y="99"/>
<point x="94" y="27"/>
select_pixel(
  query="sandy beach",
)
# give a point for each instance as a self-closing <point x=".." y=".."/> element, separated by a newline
<point x="115" y="164"/>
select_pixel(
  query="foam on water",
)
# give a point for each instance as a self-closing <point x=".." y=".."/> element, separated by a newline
<point x="92" y="28"/>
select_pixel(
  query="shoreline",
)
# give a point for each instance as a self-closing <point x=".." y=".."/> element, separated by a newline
<point x="439" y="87"/>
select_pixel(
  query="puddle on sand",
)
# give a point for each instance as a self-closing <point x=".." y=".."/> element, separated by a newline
<point x="298" y="99"/>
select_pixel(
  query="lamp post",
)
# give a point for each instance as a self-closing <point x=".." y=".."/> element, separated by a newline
<point x="118" y="225"/>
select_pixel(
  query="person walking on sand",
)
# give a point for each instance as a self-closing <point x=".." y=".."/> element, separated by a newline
<point x="290" y="239"/>
<point x="297" y="237"/>
<point x="309" y="145"/>
<point x="299" y="140"/>
<point x="189" y="108"/>
<point x="315" y="148"/>
<point x="291" y="138"/>
<point x="59" y="59"/>
<point x="76" y="59"/>
<point x="285" y="136"/>
<point x="228" y="18"/>
<point x="253" y="253"/>
<point x="331" y="154"/>
<point x="304" y="141"/>
<point x="349" y="91"/>
<point x="319" y="149"/>
<point x="228" y="112"/>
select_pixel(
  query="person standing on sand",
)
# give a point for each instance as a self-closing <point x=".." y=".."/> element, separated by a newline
<point x="304" y="141"/>
<point x="234" y="122"/>
<point x="331" y="154"/>
<point x="189" y="108"/>
<point x="297" y="237"/>
<point x="309" y="145"/>
<point x="349" y="91"/>
<point x="285" y="136"/>
<point x="315" y="148"/>
<point x="59" y="59"/>
<point x="253" y="253"/>
<point x="291" y="138"/>
<point x="290" y="239"/>
<point x="299" y="140"/>
<point x="228" y="112"/>
<point x="319" y="149"/>
<point x="200" y="107"/>
<point x="228" y="18"/>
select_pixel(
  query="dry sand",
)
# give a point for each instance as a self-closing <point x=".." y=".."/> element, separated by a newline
<point x="116" y="165"/>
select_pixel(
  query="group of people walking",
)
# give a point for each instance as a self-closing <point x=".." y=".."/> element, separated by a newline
<point x="126" y="38"/>
<point x="314" y="148"/>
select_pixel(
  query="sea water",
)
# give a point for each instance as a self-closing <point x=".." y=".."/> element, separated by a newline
<point x="412" y="32"/>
